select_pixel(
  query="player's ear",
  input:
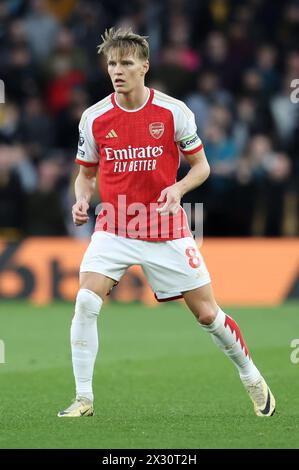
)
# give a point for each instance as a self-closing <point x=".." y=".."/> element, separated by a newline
<point x="145" y="67"/>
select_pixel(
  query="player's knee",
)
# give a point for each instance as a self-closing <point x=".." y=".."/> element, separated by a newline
<point x="96" y="282"/>
<point x="88" y="304"/>
<point x="205" y="313"/>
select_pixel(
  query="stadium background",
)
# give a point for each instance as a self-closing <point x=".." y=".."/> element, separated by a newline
<point x="233" y="63"/>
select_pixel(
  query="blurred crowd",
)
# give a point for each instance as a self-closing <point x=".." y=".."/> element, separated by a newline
<point x="233" y="62"/>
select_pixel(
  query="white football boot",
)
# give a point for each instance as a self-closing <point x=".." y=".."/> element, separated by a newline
<point x="79" y="408"/>
<point x="262" y="398"/>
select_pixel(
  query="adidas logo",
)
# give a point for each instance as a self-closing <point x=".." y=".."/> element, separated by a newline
<point x="111" y="134"/>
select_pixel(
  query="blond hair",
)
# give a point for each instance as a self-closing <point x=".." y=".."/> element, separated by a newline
<point x="125" y="41"/>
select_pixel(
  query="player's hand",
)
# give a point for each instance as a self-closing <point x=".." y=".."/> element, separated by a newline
<point x="79" y="212"/>
<point x="171" y="197"/>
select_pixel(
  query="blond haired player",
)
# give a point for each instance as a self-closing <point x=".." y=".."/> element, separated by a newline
<point x="134" y="138"/>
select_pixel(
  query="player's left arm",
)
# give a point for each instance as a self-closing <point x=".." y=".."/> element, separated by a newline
<point x="191" y="147"/>
<point x="198" y="173"/>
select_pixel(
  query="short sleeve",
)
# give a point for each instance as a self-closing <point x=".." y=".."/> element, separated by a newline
<point x="87" y="153"/>
<point x="186" y="131"/>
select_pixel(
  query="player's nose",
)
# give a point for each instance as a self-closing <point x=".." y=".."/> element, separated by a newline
<point x="118" y="69"/>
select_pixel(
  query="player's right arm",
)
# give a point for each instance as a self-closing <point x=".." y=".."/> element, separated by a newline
<point x="88" y="159"/>
<point x="84" y="188"/>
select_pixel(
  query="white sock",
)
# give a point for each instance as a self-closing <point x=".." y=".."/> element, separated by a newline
<point x="228" y="337"/>
<point x="84" y="340"/>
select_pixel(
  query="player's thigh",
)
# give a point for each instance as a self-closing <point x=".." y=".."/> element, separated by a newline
<point x="104" y="262"/>
<point x="174" y="267"/>
<point x="96" y="282"/>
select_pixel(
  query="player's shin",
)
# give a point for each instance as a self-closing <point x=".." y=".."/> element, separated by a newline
<point x="228" y="337"/>
<point x="84" y="340"/>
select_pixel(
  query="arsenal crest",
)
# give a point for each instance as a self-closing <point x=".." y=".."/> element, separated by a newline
<point x="156" y="129"/>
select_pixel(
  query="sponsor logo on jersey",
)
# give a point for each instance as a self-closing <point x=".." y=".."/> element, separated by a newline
<point x="189" y="142"/>
<point x="130" y="152"/>
<point x="81" y="139"/>
<point x="156" y="129"/>
<point x="81" y="153"/>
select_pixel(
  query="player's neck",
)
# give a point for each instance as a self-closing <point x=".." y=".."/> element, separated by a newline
<point x="134" y="99"/>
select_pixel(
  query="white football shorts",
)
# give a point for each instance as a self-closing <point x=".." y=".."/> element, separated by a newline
<point x="171" y="267"/>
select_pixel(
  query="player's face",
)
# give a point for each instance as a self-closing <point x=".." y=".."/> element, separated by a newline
<point x="126" y="72"/>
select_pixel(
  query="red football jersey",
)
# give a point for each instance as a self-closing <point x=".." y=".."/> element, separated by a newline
<point x="138" y="154"/>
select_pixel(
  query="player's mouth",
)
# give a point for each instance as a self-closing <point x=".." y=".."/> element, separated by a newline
<point x="119" y="82"/>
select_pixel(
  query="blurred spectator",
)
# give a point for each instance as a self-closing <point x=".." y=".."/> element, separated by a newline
<point x="67" y="120"/>
<point x="208" y="93"/>
<point x="23" y="167"/>
<point x="252" y="83"/>
<point x="18" y="33"/>
<point x="65" y="52"/>
<point x="43" y="212"/>
<point x="289" y="22"/>
<point x="217" y="58"/>
<point x="41" y="29"/>
<point x="4" y="26"/>
<point x="9" y="123"/>
<point x="292" y="63"/>
<point x="269" y="172"/>
<point x="178" y="60"/>
<point x="178" y="37"/>
<point x="252" y="117"/>
<point x="245" y="122"/>
<point x="11" y="196"/>
<point x="87" y="22"/>
<point x="172" y="72"/>
<point x="37" y="128"/>
<point x="20" y="76"/>
<point x="241" y="45"/>
<point x="266" y="69"/>
<point x="223" y="159"/>
<point x="98" y="80"/>
<point x="64" y="70"/>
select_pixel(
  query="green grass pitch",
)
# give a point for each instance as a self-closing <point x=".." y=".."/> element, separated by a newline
<point x="160" y="382"/>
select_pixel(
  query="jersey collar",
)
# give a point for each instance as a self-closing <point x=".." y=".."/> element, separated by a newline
<point x="146" y="103"/>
